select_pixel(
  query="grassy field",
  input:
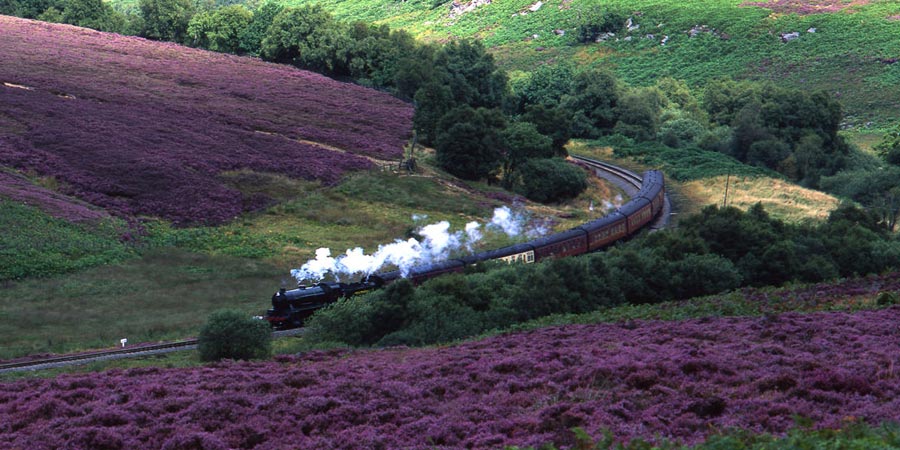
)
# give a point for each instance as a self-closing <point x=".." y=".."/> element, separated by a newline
<point x="165" y="286"/>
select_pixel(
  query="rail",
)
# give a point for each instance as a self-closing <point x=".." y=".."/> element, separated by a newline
<point x="140" y="350"/>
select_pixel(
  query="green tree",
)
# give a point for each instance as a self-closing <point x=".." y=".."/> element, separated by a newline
<point x="433" y="100"/>
<point x="230" y="334"/>
<point x="889" y="147"/>
<point x="546" y="85"/>
<point x="469" y="142"/>
<point x="548" y="180"/>
<point x="592" y="103"/>
<point x="471" y="74"/>
<point x="307" y="37"/>
<point x="166" y="20"/>
<point x="554" y="122"/>
<point x="638" y="113"/>
<point x="94" y="14"/>
<point x="221" y="29"/>
<point x="523" y="142"/>
<point x="252" y="36"/>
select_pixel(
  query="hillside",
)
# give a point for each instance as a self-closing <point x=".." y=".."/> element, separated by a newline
<point x="845" y="47"/>
<point x="639" y="379"/>
<point x="147" y="128"/>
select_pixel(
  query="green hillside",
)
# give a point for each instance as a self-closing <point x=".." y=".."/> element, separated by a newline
<point x="847" y="51"/>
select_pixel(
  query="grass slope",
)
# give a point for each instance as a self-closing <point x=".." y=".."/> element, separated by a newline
<point x="850" y="53"/>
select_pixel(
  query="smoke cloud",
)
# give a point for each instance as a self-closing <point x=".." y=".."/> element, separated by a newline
<point x="437" y="243"/>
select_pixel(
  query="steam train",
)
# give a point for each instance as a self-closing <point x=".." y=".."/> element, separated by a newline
<point x="291" y="307"/>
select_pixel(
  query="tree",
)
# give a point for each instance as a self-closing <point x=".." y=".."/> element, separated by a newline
<point x="523" y="142"/>
<point x="307" y="37"/>
<point x="553" y="122"/>
<point x="549" y="180"/>
<point x="889" y="147"/>
<point x="638" y="113"/>
<point x="166" y="20"/>
<point x="233" y="335"/>
<point x="433" y="100"/>
<point x="592" y="103"/>
<point x="471" y="74"/>
<point x="252" y="36"/>
<point x="220" y="30"/>
<point x="469" y="142"/>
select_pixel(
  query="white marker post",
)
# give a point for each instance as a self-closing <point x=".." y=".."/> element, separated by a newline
<point x="123" y="341"/>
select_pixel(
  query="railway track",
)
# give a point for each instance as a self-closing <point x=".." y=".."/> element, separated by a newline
<point x="628" y="181"/>
<point x="106" y="355"/>
<point x="625" y="179"/>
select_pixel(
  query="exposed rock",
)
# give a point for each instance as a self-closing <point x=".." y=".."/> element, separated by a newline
<point x="559" y="32"/>
<point x="811" y="30"/>
<point x="788" y="37"/>
<point x="664" y="40"/>
<point x="631" y="26"/>
<point x="604" y="36"/>
<point x="536" y="6"/>
<point x="458" y="8"/>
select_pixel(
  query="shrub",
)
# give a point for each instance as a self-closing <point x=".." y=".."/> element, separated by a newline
<point x="549" y="180"/>
<point x="234" y="335"/>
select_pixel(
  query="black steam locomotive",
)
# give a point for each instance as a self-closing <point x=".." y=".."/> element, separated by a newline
<point x="291" y="307"/>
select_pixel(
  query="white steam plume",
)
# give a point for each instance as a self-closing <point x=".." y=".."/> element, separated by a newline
<point x="437" y="244"/>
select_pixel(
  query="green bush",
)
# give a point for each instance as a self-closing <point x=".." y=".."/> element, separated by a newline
<point x="549" y="180"/>
<point x="230" y="334"/>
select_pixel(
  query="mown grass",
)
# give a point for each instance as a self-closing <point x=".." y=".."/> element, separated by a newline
<point x="164" y="295"/>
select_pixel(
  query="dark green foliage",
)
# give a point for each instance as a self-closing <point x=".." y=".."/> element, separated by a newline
<point x="252" y="36"/>
<point x="682" y="132"/>
<point x="592" y="103"/>
<point x="792" y="131"/>
<point x="230" y="334"/>
<point x="166" y="20"/>
<point x="548" y="180"/>
<point x="469" y="142"/>
<point x="471" y="74"/>
<point x="307" y="37"/>
<point x="638" y="112"/>
<point x="593" y="23"/>
<point x="553" y="122"/>
<point x="889" y="147"/>
<point x="522" y="142"/>
<point x="878" y="189"/>
<point x="546" y="86"/>
<point x="220" y="30"/>
<point x="433" y="100"/>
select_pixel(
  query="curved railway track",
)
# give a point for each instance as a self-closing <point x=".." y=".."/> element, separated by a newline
<point x="628" y="181"/>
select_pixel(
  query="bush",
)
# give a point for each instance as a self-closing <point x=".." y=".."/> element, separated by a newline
<point x="230" y="334"/>
<point x="549" y="180"/>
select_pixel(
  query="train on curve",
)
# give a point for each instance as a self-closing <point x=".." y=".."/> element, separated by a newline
<point x="291" y="307"/>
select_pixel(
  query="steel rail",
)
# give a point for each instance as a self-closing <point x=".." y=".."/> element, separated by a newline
<point x="140" y="350"/>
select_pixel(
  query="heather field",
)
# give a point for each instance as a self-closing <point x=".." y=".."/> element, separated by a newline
<point x="655" y="380"/>
<point x="146" y="128"/>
